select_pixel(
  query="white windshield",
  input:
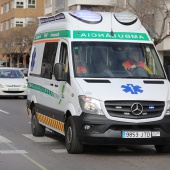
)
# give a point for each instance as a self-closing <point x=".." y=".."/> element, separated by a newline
<point x="7" y="73"/>
<point x="116" y="60"/>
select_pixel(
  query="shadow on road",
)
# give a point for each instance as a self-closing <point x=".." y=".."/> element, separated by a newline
<point x="140" y="150"/>
<point x="128" y="150"/>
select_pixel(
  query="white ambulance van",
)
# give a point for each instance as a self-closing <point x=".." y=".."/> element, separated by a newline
<point x="84" y="84"/>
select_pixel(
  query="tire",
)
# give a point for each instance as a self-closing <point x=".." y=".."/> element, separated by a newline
<point x="37" y="129"/>
<point x="162" y="148"/>
<point x="73" y="144"/>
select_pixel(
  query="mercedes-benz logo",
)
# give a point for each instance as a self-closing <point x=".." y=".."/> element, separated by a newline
<point x="136" y="109"/>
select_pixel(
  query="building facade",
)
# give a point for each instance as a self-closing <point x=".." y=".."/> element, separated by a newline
<point x="17" y="14"/>
<point x="55" y="6"/>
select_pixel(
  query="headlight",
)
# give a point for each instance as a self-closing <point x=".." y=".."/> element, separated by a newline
<point x="90" y="105"/>
<point x="1" y="86"/>
<point x="25" y="86"/>
<point x="168" y="108"/>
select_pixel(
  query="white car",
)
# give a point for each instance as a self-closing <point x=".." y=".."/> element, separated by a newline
<point x="12" y="82"/>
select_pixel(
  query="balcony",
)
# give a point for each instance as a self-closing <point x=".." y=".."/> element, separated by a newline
<point x="90" y="2"/>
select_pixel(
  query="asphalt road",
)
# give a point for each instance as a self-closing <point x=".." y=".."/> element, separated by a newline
<point x="19" y="150"/>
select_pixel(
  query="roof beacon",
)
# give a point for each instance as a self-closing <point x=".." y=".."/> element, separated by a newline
<point x="87" y="16"/>
<point x="126" y="18"/>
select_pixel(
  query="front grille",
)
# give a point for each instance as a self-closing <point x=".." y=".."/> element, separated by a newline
<point x="122" y="109"/>
<point x="13" y="91"/>
<point x="13" y="85"/>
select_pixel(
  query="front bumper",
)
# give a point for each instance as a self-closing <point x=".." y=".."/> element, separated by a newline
<point x="21" y="91"/>
<point x="108" y="132"/>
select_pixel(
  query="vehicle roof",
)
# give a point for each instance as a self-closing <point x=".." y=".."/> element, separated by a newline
<point x="77" y="28"/>
<point x="9" y="68"/>
<point x="107" y="22"/>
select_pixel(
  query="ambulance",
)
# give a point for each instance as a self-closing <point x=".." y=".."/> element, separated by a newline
<point x="106" y="104"/>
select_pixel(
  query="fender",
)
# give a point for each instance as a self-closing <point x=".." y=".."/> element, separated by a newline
<point x="71" y="109"/>
<point x="33" y="99"/>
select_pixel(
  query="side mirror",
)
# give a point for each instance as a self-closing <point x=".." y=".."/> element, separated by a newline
<point x="59" y="72"/>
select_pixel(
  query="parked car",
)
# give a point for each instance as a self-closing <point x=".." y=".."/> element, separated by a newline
<point x="12" y="82"/>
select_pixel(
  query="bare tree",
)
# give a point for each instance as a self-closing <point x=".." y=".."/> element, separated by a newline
<point x="153" y="14"/>
<point x="9" y="44"/>
<point x="16" y="42"/>
<point x="25" y="36"/>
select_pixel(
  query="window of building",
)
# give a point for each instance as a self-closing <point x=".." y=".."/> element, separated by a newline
<point x="2" y="26"/>
<point x="31" y="3"/>
<point x="19" y="24"/>
<point x="7" y="7"/>
<point x="2" y="9"/>
<point x="48" y="59"/>
<point x="19" y="4"/>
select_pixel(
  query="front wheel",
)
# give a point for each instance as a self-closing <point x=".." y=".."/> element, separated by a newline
<point x="37" y="129"/>
<point x="73" y="144"/>
<point x="162" y="148"/>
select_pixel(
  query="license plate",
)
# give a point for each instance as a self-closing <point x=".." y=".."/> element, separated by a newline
<point x="13" y="89"/>
<point x="136" y="134"/>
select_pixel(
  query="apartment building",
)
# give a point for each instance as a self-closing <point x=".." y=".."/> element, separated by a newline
<point x="19" y="13"/>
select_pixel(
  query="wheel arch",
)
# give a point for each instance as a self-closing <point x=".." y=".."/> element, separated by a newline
<point x="69" y="112"/>
<point x="33" y="102"/>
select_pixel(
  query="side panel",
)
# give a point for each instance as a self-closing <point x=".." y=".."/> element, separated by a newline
<point x="36" y="58"/>
<point x="34" y="72"/>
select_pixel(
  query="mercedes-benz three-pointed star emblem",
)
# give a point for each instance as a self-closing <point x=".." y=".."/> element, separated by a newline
<point x="136" y="109"/>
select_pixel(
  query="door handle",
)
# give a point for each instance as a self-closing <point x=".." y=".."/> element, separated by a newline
<point x="56" y="85"/>
<point x="51" y="84"/>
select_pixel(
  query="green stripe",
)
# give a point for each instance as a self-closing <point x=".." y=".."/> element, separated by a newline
<point x="60" y="101"/>
<point x="42" y="90"/>
<point x="53" y="34"/>
<point x="106" y="35"/>
<point x="63" y="88"/>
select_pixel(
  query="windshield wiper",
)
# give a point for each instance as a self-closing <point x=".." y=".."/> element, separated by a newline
<point x="141" y="77"/>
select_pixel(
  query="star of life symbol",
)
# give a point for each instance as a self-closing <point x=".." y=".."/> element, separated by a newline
<point x="33" y="59"/>
<point x="132" y="89"/>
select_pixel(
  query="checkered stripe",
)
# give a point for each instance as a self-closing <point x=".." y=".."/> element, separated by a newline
<point x="50" y="122"/>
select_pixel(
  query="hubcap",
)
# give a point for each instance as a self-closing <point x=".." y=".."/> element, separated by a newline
<point x="69" y="135"/>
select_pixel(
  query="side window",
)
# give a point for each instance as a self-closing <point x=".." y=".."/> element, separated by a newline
<point x="50" y="50"/>
<point x="64" y="59"/>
